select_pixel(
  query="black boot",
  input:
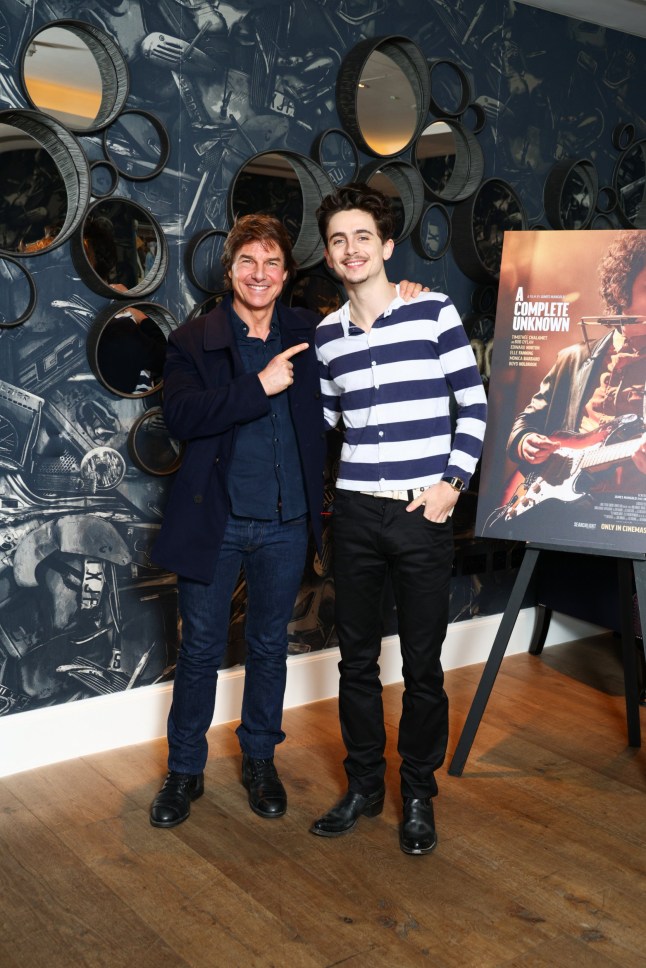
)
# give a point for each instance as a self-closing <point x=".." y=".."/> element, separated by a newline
<point x="172" y="804"/>
<point x="267" y="795"/>
<point x="417" y="832"/>
<point x="343" y="816"/>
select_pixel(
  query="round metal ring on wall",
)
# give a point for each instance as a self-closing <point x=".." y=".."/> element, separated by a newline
<point x="603" y="221"/>
<point x="71" y="54"/>
<point x="606" y="199"/>
<point x="71" y="164"/>
<point x="382" y="93"/>
<point x="126" y="229"/>
<point x="205" y="307"/>
<point x="141" y="149"/>
<point x="629" y="182"/>
<point x="104" y="178"/>
<point x="623" y="135"/>
<point x="450" y="161"/>
<point x="336" y="153"/>
<point x="479" y="224"/>
<point x="105" y="354"/>
<point x="402" y="183"/>
<point x="17" y="293"/>
<point x="484" y="300"/>
<point x="447" y="76"/>
<point x="474" y="118"/>
<point x="289" y="186"/>
<point x="202" y="260"/>
<point x="570" y="193"/>
<point x="432" y="235"/>
<point x="150" y="446"/>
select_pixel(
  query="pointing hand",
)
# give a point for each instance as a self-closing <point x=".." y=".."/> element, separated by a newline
<point x="279" y="372"/>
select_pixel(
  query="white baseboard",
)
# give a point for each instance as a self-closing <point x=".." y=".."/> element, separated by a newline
<point x="56" y="733"/>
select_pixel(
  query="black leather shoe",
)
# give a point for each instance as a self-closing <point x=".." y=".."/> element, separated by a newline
<point x="172" y="804"/>
<point x="417" y="832"/>
<point x="343" y="816"/>
<point x="267" y="795"/>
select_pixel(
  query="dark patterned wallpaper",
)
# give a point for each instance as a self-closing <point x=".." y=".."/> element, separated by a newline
<point x="83" y="610"/>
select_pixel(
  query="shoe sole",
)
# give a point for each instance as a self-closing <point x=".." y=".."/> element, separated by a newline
<point x="419" y="850"/>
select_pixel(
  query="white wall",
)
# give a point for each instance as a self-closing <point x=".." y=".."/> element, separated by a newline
<point x="63" y="732"/>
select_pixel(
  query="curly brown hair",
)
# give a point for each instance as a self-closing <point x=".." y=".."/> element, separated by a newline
<point x="366" y="199"/>
<point x="265" y="229"/>
<point x="619" y="268"/>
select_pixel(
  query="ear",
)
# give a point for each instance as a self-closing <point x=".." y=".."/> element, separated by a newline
<point x="389" y="247"/>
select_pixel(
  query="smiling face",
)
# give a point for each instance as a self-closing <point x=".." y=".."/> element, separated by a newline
<point x="354" y="250"/>
<point x="257" y="276"/>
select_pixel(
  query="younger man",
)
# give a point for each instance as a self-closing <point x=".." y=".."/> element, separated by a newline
<point x="389" y="369"/>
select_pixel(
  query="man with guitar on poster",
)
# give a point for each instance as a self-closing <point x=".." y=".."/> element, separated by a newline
<point x="582" y="434"/>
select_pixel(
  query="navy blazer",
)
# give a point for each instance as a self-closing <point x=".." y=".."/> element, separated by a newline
<point x="207" y="395"/>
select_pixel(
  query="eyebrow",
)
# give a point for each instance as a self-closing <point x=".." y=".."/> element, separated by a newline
<point x="344" y="235"/>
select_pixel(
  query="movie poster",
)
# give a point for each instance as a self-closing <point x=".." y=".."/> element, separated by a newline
<point x="564" y="459"/>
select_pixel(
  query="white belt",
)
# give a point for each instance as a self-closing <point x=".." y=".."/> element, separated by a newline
<point x="409" y="495"/>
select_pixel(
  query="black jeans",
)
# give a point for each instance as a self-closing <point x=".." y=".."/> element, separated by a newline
<point x="374" y="538"/>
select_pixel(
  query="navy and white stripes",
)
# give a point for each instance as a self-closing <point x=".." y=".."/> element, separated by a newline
<point x="393" y="386"/>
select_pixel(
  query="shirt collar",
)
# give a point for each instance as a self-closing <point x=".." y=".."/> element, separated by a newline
<point x="344" y="313"/>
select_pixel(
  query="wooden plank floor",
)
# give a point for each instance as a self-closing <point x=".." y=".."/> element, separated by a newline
<point x="541" y="858"/>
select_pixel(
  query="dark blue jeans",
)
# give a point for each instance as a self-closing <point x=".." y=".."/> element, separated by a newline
<point x="272" y="554"/>
<point x="375" y="538"/>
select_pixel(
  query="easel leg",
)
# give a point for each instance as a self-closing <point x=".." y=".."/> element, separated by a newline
<point x="492" y="665"/>
<point x="631" y="684"/>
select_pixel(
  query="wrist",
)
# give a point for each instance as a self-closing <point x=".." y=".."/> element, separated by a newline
<point x="455" y="482"/>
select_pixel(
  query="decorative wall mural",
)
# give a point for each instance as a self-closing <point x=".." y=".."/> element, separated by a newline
<point x="183" y="95"/>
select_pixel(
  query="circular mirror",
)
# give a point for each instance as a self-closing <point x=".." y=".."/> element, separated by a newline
<point x="203" y="260"/>
<point x="317" y="292"/>
<point x="211" y="303"/>
<point x="570" y="194"/>
<point x="403" y="185"/>
<point x="45" y="182"/>
<point x="479" y="224"/>
<point x="126" y="347"/>
<point x="120" y="250"/>
<point x="151" y="447"/>
<point x="474" y="117"/>
<point x="290" y="187"/>
<point x="623" y="135"/>
<point x="450" y="161"/>
<point x="17" y="293"/>
<point x="105" y="178"/>
<point x="432" y="236"/>
<point x="137" y="144"/>
<point x="383" y="91"/>
<point x="76" y="73"/>
<point x="629" y="181"/>
<point x="337" y="155"/>
<point x="450" y="88"/>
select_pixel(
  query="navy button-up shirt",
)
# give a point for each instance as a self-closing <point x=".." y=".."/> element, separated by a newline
<point x="265" y="477"/>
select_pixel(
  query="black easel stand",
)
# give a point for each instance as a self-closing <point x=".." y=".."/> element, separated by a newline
<point x="506" y="627"/>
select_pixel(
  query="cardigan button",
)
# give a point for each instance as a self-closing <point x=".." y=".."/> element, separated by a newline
<point x="197" y="499"/>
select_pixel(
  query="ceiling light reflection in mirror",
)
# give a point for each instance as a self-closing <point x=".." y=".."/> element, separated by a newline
<point x="62" y="77"/>
<point x="387" y="109"/>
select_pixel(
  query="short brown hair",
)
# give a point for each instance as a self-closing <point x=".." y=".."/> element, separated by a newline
<point x="366" y="199"/>
<point x="265" y="229"/>
<point x="618" y="270"/>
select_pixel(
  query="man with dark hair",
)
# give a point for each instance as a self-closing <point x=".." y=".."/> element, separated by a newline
<point x="592" y="383"/>
<point x="241" y="389"/>
<point x="391" y="369"/>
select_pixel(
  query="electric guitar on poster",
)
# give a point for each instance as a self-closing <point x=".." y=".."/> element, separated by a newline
<point x="566" y="475"/>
